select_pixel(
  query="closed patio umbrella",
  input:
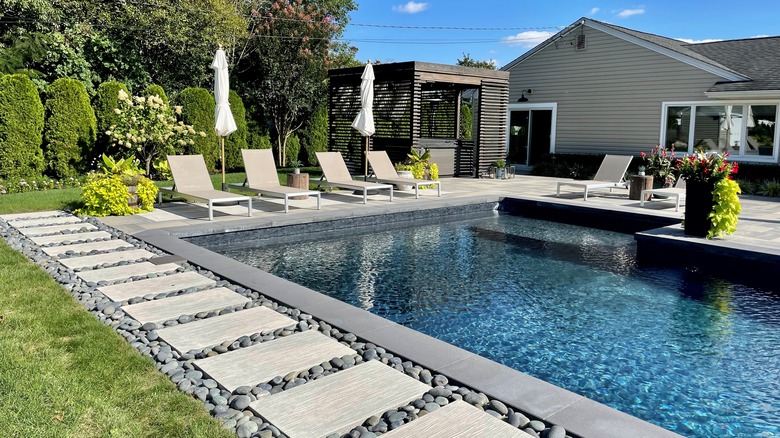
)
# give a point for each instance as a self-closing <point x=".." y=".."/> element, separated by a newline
<point x="364" y="122"/>
<point x="223" y="117"/>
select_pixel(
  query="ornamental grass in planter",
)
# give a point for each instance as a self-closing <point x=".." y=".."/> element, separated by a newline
<point x="711" y="195"/>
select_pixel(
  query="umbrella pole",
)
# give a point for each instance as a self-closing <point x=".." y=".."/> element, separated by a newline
<point x="365" y="177"/>
<point x="224" y="186"/>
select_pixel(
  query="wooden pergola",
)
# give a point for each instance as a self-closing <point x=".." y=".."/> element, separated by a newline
<point x="418" y="104"/>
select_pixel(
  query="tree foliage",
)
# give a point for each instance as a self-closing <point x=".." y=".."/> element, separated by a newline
<point x="198" y="110"/>
<point x="314" y="136"/>
<point x="237" y="140"/>
<point x="467" y="61"/>
<point x="70" y="128"/>
<point x="21" y="127"/>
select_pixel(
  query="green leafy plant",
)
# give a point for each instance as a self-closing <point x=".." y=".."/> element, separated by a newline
<point x="163" y="170"/>
<point x="126" y="168"/>
<point x="415" y="157"/>
<point x="641" y="170"/>
<point x="726" y="209"/>
<point x="403" y="167"/>
<point x="659" y="163"/>
<point x="107" y="193"/>
<point x="296" y="163"/>
<point x="499" y="164"/>
<point x="770" y="187"/>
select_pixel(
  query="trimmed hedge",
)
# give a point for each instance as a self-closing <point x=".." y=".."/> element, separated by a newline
<point x="104" y="103"/>
<point x="156" y="90"/>
<point x="70" y="129"/>
<point x="21" y="127"/>
<point x="198" y="110"/>
<point x="293" y="147"/>
<point x="314" y="137"/>
<point x="237" y="140"/>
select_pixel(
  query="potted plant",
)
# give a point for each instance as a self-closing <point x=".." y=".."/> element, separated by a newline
<point x="404" y="171"/>
<point x="711" y="196"/>
<point x="641" y="171"/>
<point x="120" y="189"/>
<point x="500" y="167"/>
<point x="296" y="165"/>
<point x="659" y="164"/>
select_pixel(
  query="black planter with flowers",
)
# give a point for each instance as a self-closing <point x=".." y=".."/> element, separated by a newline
<point x="707" y="184"/>
<point x="698" y="206"/>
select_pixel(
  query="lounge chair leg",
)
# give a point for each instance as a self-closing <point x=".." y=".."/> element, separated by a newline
<point x="286" y="203"/>
<point x="558" y="195"/>
<point x="438" y="187"/>
<point x="249" y="207"/>
<point x="391" y="193"/>
<point x="677" y="204"/>
<point x="585" y="198"/>
<point x="211" y="211"/>
<point x="319" y="202"/>
<point x="642" y="199"/>
<point x="365" y="196"/>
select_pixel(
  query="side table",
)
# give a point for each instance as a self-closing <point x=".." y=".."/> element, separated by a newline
<point x="300" y="181"/>
<point x="639" y="183"/>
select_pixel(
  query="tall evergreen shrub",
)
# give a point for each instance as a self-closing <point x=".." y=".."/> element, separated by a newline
<point x="198" y="110"/>
<point x="21" y="127"/>
<point x="155" y="90"/>
<point x="70" y="128"/>
<point x="104" y="103"/>
<point x="314" y="137"/>
<point x="237" y="140"/>
<point x="293" y="148"/>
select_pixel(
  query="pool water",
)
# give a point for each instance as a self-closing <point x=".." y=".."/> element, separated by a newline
<point x="567" y="304"/>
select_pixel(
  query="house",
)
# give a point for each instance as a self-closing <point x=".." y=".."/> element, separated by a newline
<point x="599" y="88"/>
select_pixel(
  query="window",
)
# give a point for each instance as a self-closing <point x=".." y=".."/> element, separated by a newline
<point x="744" y="130"/>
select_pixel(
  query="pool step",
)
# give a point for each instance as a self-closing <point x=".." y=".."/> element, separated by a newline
<point x="212" y="331"/>
<point x="162" y="310"/>
<point x="73" y="237"/>
<point x="103" y="245"/>
<point x="125" y="272"/>
<point x="90" y="261"/>
<point x="160" y="285"/>
<point x="56" y="220"/>
<point x="262" y="362"/>
<point x="339" y="402"/>
<point x="457" y="420"/>
<point x="39" y="231"/>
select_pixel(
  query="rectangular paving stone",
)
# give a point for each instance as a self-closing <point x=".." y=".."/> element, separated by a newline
<point x="37" y="231"/>
<point x="99" y="259"/>
<point x="160" y="285"/>
<point x="339" y="402"/>
<point x="162" y="310"/>
<point x="125" y="272"/>
<point x="59" y="238"/>
<point x="212" y="331"/>
<point x="262" y="362"/>
<point x="57" y="220"/>
<point x="103" y="245"/>
<point x="31" y="215"/>
<point x="457" y="420"/>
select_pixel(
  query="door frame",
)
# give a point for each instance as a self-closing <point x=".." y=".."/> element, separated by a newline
<point x="553" y="106"/>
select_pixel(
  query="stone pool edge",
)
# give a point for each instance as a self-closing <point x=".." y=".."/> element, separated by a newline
<point x="580" y="416"/>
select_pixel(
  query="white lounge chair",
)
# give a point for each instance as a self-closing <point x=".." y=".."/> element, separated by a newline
<point x="191" y="182"/>
<point x="385" y="173"/>
<point x="677" y="192"/>
<point x="262" y="178"/>
<point x="336" y="174"/>
<point x="609" y="176"/>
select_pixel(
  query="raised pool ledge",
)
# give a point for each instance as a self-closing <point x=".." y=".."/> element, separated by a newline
<point x="578" y="415"/>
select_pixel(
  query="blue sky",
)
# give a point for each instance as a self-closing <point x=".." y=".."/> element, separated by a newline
<point x="378" y="30"/>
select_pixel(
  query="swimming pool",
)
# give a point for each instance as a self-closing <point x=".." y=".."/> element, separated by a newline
<point x="567" y="304"/>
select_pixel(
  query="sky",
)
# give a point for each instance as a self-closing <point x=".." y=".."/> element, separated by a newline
<point x="500" y="31"/>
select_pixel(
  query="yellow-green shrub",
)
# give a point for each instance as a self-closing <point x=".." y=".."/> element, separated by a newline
<point x="107" y="195"/>
<point x="727" y="208"/>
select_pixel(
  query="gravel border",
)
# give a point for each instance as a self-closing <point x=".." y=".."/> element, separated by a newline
<point x="232" y="408"/>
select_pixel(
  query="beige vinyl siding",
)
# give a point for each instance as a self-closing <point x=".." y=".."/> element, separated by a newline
<point x="609" y="95"/>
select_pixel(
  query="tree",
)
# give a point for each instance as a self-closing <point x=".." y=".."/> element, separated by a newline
<point x="198" y="110"/>
<point x="284" y="66"/>
<point x="315" y="133"/>
<point x="21" y="130"/>
<point x="237" y="140"/>
<point x="104" y="103"/>
<point x="467" y="61"/>
<point x="70" y="129"/>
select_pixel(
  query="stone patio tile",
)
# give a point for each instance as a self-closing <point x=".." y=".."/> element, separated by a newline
<point x="125" y="272"/>
<point x="162" y="310"/>
<point x="103" y="245"/>
<point x="110" y="258"/>
<point x="38" y="231"/>
<point x="57" y="220"/>
<point x="60" y="238"/>
<point x="160" y="285"/>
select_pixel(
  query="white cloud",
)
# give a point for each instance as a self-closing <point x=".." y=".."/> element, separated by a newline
<point x="594" y="11"/>
<point x="411" y="7"/>
<point x="527" y="39"/>
<point x="690" y="41"/>
<point x="760" y="36"/>
<point x="625" y="13"/>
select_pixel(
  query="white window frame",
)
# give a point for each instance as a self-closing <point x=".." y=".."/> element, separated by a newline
<point x="553" y="106"/>
<point x="692" y="128"/>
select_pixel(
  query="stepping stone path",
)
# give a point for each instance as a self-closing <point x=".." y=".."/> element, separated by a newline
<point x="333" y="403"/>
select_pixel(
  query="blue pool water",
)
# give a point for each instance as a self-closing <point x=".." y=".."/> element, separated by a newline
<point x="567" y="304"/>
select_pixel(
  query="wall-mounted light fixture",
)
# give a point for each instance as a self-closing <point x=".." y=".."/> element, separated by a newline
<point x="522" y="95"/>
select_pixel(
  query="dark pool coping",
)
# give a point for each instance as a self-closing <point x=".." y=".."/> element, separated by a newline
<point x="578" y="415"/>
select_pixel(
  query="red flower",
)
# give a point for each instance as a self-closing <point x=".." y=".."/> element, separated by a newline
<point x="643" y="155"/>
